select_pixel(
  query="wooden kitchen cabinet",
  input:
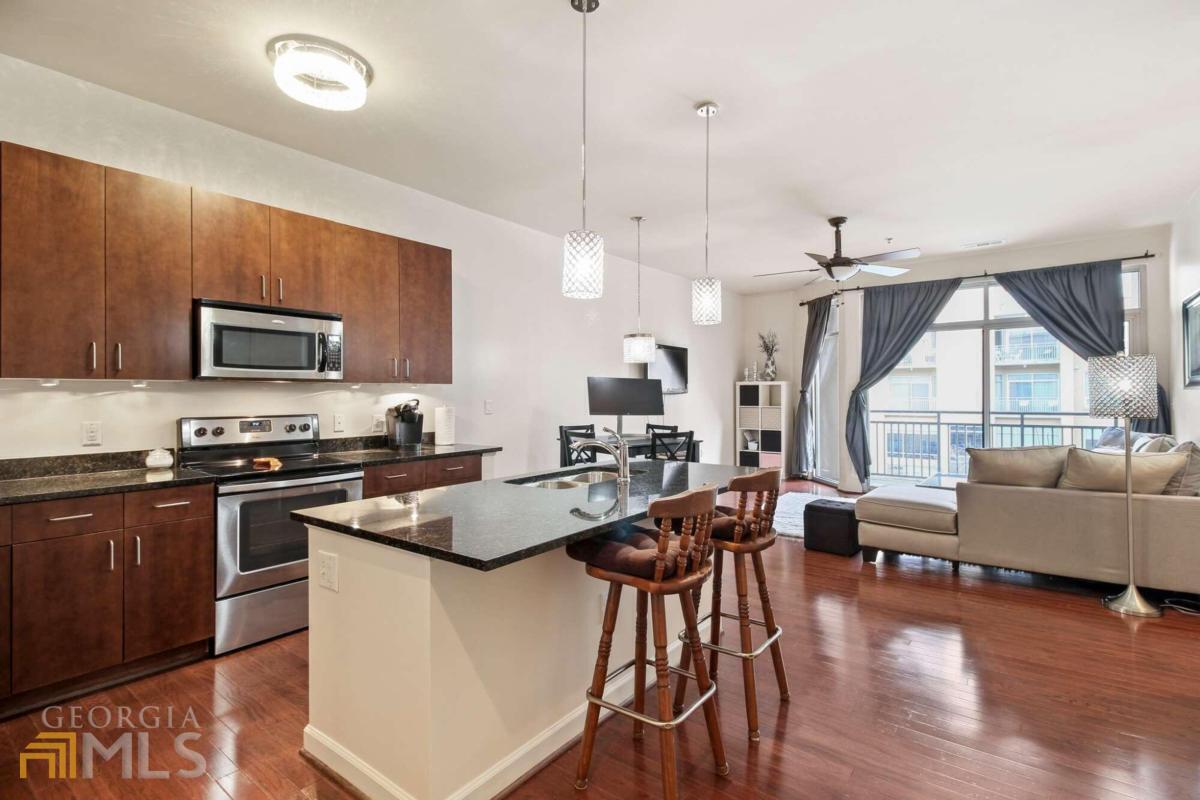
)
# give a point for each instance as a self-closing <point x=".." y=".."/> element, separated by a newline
<point x="385" y="479"/>
<point x="426" y="332"/>
<point x="231" y="248"/>
<point x="456" y="469"/>
<point x="369" y="290"/>
<point x="147" y="277"/>
<point x="66" y="608"/>
<point x="303" y="261"/>
<point x="169" y="576"/>
<point x="51" y="265"/>
<point x="5" y="621"/>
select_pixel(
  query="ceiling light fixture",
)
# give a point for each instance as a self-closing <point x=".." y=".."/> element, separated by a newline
<point x="319" y="72"/>
<point x="706" y="291"/>
<point x="583" y="250"/>
<point x="639" y="347"/>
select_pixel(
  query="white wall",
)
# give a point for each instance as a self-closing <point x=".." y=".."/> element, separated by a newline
<point x="517" y="341"/>
<point x="1185" y="281"/>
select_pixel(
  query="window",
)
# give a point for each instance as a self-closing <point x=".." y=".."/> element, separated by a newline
<point x="912" y="445"/>
<point x="1026" y="391"/>
<point x="1025" y="346"/>
<point x="911" y="392"/>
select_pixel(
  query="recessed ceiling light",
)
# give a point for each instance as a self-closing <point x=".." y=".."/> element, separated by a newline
<point x="319" y="72"/>
<point x="981" y="245"/>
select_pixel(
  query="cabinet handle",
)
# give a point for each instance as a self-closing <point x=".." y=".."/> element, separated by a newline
<point x="137" y="543"/>
<point x="94" y="349"/>
<point x="407" y="369"/>
<point x="112" y="556"/>
<point x="452" y="469"/>
<point x="281" y="290"/>
<point x="120" y="358"/>
<point x="395" y="368"/>
<point x="393" y="477"/>
<point x="176" y="504"/>
<point x="71" y="517"/>
<point x="264" y="286"/>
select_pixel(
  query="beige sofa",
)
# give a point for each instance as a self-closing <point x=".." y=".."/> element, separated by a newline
<point x="1078" y="534"/>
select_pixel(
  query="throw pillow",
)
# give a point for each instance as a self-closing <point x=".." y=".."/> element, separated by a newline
<point x="1186" y="482"/>
<point x="1017" y="466"/>
<point x="1153" y="443"/>
<point x="1112" y="437"/>
<point x="1105" y="472"/>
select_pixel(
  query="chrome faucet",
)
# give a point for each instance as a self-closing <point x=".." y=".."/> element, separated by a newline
<point x="620" y="453"/>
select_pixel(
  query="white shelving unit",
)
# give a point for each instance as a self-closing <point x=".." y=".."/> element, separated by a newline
<point x="764" y="422"/>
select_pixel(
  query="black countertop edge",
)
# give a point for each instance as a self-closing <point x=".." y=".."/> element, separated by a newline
<point x="62" y="487"/>
<point x="425" y="452"/>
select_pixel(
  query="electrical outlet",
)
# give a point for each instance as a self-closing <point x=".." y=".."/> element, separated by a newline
<point x="339" y="423"/>
<point x="377" y="424"/>
<point x="327" y="570"/>
<point x="489" y="407"/>
<point x="90" y="434"/>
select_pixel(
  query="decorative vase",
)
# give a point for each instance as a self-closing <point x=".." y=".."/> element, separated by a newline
<point x="769" y="369"/>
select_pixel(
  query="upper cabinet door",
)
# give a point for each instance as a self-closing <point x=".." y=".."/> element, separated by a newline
<point x="148" y="276"/>
<point x="51" y="265"/>
<point x="369" y="290"/>
<point x="426" y="329"/>
<point x="231" y="248"/>
<point x="303" y="261"/>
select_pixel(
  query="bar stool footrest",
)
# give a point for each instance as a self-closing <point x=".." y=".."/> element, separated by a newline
<point x="667" y="725"/>
<point x="750" y="656"/>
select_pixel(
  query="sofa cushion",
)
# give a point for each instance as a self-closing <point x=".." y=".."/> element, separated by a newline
<point x="1017" y="466"/>
<point x="914" y="507"/>
<point x="1111" y="437"/>
<point x="1186" y="482"/>
<point x="1105" y="472"/>
<point x="1153" y="443"/>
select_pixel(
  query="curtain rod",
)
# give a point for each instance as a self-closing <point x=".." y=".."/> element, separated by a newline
<point x="984" y="274"/>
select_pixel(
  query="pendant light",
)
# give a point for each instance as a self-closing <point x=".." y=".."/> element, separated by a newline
<point x="706" y="291"/>
<point x="639" y="347"/>
<point x="583" y="250"/>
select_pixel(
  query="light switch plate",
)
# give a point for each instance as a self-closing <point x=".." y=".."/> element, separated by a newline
<point x="339" y="423"/>
<point x="377" y="424"/>
<point x="489" y="407"/>
<point x="327" y="570"/>
<point x="90" y="434"/>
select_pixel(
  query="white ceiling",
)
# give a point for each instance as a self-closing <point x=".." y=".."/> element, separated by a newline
<point x="936" y="122"/>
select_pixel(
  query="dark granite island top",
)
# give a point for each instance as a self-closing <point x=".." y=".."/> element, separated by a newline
<point x="489" y="524"/>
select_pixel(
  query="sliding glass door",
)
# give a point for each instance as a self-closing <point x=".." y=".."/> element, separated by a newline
<point x="827" y="409"/>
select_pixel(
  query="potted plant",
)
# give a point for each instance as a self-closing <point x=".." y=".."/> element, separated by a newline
<point x="769" y="344"/>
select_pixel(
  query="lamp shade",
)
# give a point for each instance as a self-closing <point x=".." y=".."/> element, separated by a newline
<point x="639" y="348"/>
<point x="706" y="301"/>
<point x="1123" y="386"/>
<point x="583" y="265"/>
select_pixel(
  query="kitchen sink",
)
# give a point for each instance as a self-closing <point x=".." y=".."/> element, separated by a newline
<point x="576" y="480"/>
<point x="595" y="476"/>
<point x="555" y="484"/>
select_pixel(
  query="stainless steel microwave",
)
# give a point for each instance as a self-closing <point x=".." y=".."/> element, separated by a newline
<point x="238" y="340"/>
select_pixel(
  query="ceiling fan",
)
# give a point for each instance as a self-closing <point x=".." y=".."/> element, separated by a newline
<point x="841" y="268"/>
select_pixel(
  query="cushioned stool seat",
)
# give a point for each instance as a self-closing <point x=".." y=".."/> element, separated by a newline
<point x="629" y="552"/>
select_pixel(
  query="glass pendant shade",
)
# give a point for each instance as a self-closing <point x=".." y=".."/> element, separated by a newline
<point x="706" y="301"/>
<point x="1123" y="386"/>
<point x="639" y="348"/>
<point x="583" y="265"/>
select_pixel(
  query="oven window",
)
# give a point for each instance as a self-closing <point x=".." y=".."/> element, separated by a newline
<point x="268" y="537"/>
<point x="255" y="348"/>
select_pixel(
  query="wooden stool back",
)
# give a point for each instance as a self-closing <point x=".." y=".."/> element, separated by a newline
<point x="695" y="508"/>
<point x="755" y="517"/>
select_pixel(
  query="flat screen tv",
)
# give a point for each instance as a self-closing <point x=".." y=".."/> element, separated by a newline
<point x="671" y="367"/>
<point x="622" y="396"/>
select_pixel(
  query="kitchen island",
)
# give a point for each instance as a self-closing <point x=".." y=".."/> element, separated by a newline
<point x="451" y="639"/>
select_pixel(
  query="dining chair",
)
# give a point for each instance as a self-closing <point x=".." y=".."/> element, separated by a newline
<point x="651" y="428"/>
<point x="568" y="435"/>
<point x="674" y="446"/>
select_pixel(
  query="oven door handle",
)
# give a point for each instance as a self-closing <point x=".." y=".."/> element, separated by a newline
<point x="263" y="486"/>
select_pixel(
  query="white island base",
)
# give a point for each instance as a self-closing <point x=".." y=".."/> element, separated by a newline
<point x="428" y="680"/>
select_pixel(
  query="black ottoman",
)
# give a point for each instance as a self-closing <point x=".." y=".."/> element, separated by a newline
<point x="831" y="527"/>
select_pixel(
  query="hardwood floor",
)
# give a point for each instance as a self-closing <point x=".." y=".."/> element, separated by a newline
<point x="908" y="681"/>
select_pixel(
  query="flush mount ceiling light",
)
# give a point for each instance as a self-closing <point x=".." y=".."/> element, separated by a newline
<point x="583" y="250"/>
<point x="319" y="72"/>
<point x="706" y="291"/>
<point x="639" y="347"/>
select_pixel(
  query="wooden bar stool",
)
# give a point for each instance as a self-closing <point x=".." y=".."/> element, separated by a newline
<point x="745" y="531"/>
<point x="656" y="564"/>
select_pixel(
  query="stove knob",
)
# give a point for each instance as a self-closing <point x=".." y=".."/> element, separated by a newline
<point x="305" y="427"/>
<point x="290" y="427"/>
<point x="200" y="432"/>
<point x="218" y="431"/>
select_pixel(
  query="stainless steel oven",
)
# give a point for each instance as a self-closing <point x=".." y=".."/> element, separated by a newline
<point x="237" y="340"/>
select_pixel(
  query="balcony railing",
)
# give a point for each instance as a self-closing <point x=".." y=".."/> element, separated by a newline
<point x="1036" y="353"/>
<point x="917" y="444"/>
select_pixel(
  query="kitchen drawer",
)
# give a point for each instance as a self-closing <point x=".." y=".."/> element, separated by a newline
<point x="167" y="505"/>
<point x="51" y="519"/>
<point x="447" y="471"/>
<point x="5" y="525"/>
<point x="394" y="478"/>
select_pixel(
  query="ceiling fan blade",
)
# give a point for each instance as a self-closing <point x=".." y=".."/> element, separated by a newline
<point x="786" y="272"/>
<point x="817" y="258"/>
<point x="894" y="255"/>
<point x="880" y="269"/>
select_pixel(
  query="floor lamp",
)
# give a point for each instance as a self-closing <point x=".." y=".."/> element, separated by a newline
<point x="1126" y="387"/>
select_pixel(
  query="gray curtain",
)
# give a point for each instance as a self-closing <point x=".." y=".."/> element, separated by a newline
<point x="1082" y="306"/>
<point x="894" y="319"/>
<point x="802" y="444"/>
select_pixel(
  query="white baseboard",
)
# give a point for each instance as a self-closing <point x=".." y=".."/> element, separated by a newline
<point x="352" y="769"/>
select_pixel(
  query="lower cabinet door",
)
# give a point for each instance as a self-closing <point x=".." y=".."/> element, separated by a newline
<point x="169" y="586"/>
<point x="5" y="621"/>
<point x="66" y="608"/>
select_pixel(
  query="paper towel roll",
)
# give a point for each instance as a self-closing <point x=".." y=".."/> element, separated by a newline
<point x="443" y="425"/>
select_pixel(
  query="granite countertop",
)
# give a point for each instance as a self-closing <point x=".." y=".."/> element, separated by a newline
<point x="424" y="452"/>
<point x="489" y="524"/>
<point x="58" y="487"/>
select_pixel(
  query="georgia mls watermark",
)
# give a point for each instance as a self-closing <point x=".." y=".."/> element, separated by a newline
<point x="124" y="733"/>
